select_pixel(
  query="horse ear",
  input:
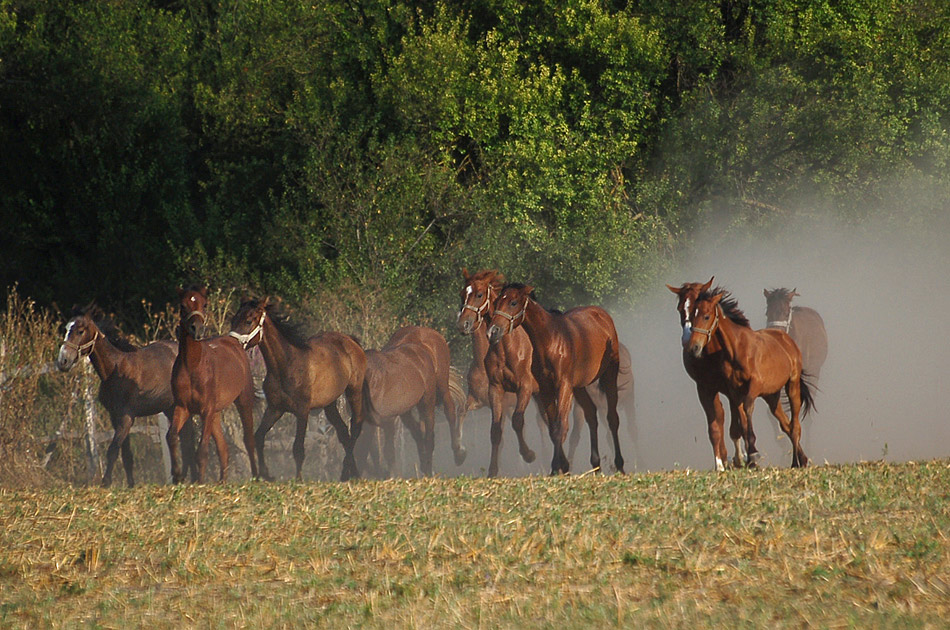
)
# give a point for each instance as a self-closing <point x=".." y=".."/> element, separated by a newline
<point x="673" y="289"/>
<point x="766" y="293"/>
<point x="203" y="291"/>
<point x="706" y="286"/>
<point x="529" y="289"/>
<point x="794" y="293"/>
<point x="716" y="298"/>
<point x="465" y="274"/>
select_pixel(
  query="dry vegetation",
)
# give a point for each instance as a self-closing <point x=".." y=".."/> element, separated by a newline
<point x="853" y="546"/>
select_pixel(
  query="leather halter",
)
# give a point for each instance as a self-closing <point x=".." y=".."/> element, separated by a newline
<point x="478" y="310"/>
<point x="708" y="331"/>
<point x="511" y="318"/>
<point x="245" y="339"/>
<point x="81" y="348"/>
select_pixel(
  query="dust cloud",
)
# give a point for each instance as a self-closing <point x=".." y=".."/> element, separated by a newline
<point x="884" y="294"/>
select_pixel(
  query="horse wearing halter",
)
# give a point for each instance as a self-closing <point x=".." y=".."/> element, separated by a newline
<point x="245" y="339"/>
<point x="511" y="318"/>
<point x="478" y="310"/>
<point x="81" y="348"/>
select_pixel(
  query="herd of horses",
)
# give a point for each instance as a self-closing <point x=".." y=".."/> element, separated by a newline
<point x="521" y="352"/>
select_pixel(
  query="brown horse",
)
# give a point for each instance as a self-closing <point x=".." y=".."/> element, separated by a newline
<point x="304" y="374"/>
<point x="412" y="371"/>
<point x="208" y="375"/>
<point x="752" y="364"/>
<point x="497" y="370"/>
<point x="135" y="382"/>
<point x="804" y="325"/>
<point x="709" y="381"/>
<point x="569" y="352"/>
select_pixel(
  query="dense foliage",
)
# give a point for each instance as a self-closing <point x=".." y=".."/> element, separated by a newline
<point x="371" y="149"/>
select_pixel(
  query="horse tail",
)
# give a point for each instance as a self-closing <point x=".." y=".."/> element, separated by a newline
<point x="806" y="385"/>
<point x="457" y="390"/>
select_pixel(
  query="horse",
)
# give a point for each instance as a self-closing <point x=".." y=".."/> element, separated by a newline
<point x="135" y="382"/>
<point x="412" y="371"/>
<point x="710" y="382"/>
<point x="804" y="325"/>
<point x="569" y="352"/>
<point x="208" y="375"/>
<point x="303" y="374"/>
<point x="497" y="370"/>
<point x="752" y="364"/>
<point x="625" y="402"/>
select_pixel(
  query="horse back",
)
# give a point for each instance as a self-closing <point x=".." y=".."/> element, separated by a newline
<point x="807" y="329"/>
<point x="428" y="339"/>
<point x="141" y="383"/>
<point x="592" y="343"/>
<point x="397" y="378"/>
<point x="339" y="354"/>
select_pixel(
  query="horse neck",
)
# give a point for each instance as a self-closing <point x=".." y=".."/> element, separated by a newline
<point x="538" y="323"/>
<point x="189" y="348"/>
<point x="104" y="356"/>
<point x="480" y="345"/>
<point x="275" y="348"/>
<point x="726" y="335"/>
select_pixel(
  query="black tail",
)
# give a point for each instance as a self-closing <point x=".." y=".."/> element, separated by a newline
<point x="808" y="399"/>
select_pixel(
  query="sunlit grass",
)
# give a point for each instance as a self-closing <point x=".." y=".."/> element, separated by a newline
<point x="829" y="546"/>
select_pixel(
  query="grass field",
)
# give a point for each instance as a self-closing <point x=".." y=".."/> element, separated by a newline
<point x="852" y="546"/>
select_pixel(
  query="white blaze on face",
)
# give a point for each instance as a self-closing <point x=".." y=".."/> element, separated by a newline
<point x="69" y="329"/>
<point x="687" y="326"/>
<point x="468" y="292"/>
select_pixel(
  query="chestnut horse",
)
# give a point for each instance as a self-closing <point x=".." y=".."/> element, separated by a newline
<point x="753" y="364"/>
<point x="709" y="381"/>
<point x="804" y="325"/>
<point x="135" y="382"/>
<point x="569" y="352"/>
<point x="412" y="371"/>
<point x="497" y="370"/>
<point x="303" y="374"/>
<point x="208" y="375"/>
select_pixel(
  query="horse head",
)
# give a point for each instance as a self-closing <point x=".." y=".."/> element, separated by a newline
<point x="778" y="307"/>
<point x="477" y="295"/>
<point x="247" y="325"/>
<point x="192" y="311"/>
<point x="81" y="336"/>
<point x="688" y="293"/>
<point x="705" y="320"/>
<point x="509" y="310"/>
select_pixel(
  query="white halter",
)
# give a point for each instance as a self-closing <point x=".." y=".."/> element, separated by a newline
<point x="244" y="340"/>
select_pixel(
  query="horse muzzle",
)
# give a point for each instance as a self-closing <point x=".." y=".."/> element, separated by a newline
<point x="696" y="349"/>
<point x="687" y="333"/>
<point x="464" y="325"/>
<point x="195" y="328"/>
<point x="66" y="359"/>
<point x="495" y="334"/>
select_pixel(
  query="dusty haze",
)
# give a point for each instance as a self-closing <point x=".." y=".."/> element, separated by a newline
<point x="884" y="294"/>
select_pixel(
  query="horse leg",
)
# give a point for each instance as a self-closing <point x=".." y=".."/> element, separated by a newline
<point x="562" y="409"/>
<point x="221" y="445"/>
<point x="496" y="395"/>
<point x="350" y="470"/>
<point x="389" y="449"/>
<point x="268" y="420"/>
<point x="245" y="407"/>
<point x="455" y="426"/>
<point x="417" y="433"/>
<point x="578" y="415"/>
<point x="207" y="422"/>
<point x="427" y="418"/>
<point x="127" y="459"/>
<point x="586" y="403"/>
<point x="715" y="418"/>
<point x="179" y="416"/>
<point x="189" y="455"/>
<point x="121" y="425"/>
<point x="608" y="384"/>
<point x="794" y="392"/>
<point x="517" y="423"/>
<point x="735" y="433"/>
<point x="354" y="396"/>
<point x="300" y="435"/>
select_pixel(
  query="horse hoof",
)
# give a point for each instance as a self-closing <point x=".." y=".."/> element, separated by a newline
<point x="528" y="456"/>
<point x="460" y="456"/>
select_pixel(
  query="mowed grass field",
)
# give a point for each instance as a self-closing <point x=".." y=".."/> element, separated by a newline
<point x="850" y="546"/>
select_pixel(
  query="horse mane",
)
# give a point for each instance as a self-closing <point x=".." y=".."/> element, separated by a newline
<point x="518" y="285"/>
<point x="729" y="304"/>
<point x="494" y="277"/>
<point x="783" y="293"/>
<point x="294" y="331"/>
<point x="106" y="326"/>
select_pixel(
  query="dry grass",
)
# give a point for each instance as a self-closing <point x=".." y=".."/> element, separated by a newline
<point x="860" y="546"/>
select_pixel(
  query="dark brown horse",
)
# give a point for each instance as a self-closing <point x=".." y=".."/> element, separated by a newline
<point x="569" y="352"/>
<point x="136" y="382"/>
<point x="304" y="374"/>
<point x="208" y="375"/>
<point x="412" y="371"/>
<point x="804" y="325"/>
<point x="753" y="364"/>
<point x="709" y="381"/>
<point x="497" y="370"/>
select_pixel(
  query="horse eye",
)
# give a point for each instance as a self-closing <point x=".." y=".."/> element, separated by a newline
<point x="514" y="302"/>
<point x="480" y="294"/>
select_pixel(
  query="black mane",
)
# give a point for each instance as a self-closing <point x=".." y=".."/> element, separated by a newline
<point x="519" y="285"/>
<point x="729" y="304"/>
<point x="295" y="332"/>
<point x="106" y="326"/>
